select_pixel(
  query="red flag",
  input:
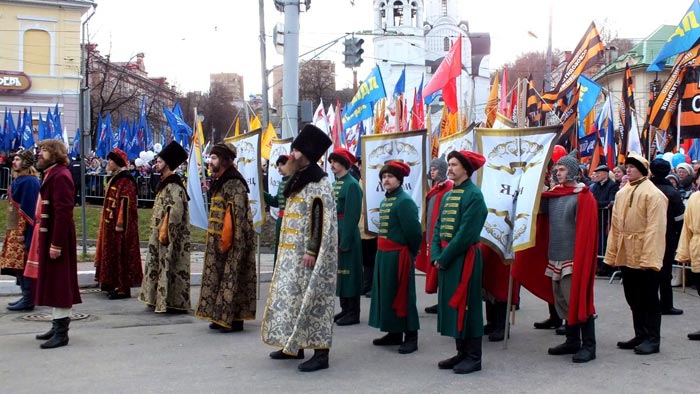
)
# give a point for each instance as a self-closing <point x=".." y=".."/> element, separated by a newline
<point x="418" y="112"/>
<point x="444" y="78"/>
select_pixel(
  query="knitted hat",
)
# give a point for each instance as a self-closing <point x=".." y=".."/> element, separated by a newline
<point x="660" y="168"/>
<point x="571" y="163"/>
<point x="28" y="158"/>
<point x="675" y="178"/>
<point x="312" y="142"/>
<point x="343" y="156"/>
<point x="223" y="151"/>
<point x="471" y="161"/>
<point x="686" y="167"/>
<point x="173" y="155"/>
<point x="440" y="165"/>
<point x="118" y="156"/>
<point x="639" y="162"/>
<point x="395" y="168"/>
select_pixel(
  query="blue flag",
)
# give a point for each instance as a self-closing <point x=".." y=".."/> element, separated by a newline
<point x="57" y="118"/>
<point x="400" y="87"/>
<point x="27" y="131"/>
<point x="360" y="107"/>
<point x="75" y="150"/>
<point x="587" y="97"/>
<point x="683" y="38"/>
<point x="586" y="144"/>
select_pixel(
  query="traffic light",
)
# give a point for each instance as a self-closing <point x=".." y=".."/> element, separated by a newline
<point x="353" y="52"/>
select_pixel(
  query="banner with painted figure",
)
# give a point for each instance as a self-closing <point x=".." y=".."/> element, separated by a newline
<point x="379" y="149"/>
<point x="279" y="148"/>
<point x="516" y="163"/>
<point x="248" y="163"/>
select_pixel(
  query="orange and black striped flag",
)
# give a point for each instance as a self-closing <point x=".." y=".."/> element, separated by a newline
<point x="690" y="103"/>
<point x="667" y="100"/>
<point x="569" y="136"/>
<point x="534" y="105"/>
<point x="626" y="109"/>
<point x="587" y="53"/>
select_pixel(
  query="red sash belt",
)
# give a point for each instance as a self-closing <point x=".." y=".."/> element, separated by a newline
<point x="341" y="216"/>
<point x="400" y="303"/>
<point x="458" y="300"/>
<point x="281" y="213"/>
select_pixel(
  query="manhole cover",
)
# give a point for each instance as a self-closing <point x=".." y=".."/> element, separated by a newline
<point x="49" y="317"/>
<point x="90" y="290"/>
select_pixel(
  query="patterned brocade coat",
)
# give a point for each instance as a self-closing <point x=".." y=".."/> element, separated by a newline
<point x="301" y="302"/>
<point x="166" y="281"/>
<point x="229" y="278"/>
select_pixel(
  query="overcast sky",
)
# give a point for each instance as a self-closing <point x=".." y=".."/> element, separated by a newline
<point x="185" y="41"/>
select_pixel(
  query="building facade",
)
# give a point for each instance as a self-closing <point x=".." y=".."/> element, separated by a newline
<point x="316" y="80"/>
<point x="232" y="82"/>
<point x="40" y="57"/>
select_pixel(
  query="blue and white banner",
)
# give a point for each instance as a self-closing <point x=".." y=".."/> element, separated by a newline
<point x="586" y="145"/>
<point x="683" y="38"/>
<point x="360" y="107"/>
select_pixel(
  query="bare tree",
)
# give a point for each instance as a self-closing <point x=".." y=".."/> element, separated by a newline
<point x="317" y="81"/>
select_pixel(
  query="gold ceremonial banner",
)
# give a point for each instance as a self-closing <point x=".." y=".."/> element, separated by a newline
<point x="248" y="163"/>
<point x="516" y="164"/>
<point x="464" y="140"/>
<point x="279" y="148"/>
<point x="379" y="149"/>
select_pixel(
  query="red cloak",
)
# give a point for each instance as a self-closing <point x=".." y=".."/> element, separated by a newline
<point x="423" y="262"/>
<point x="496" y="275"/>
<point x="531" y="264"/>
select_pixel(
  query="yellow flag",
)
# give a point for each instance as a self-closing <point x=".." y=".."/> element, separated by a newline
<point x="198" y="142"/>
<point x="237" y="129"/>
<point x="255" y="123"/>
<point x="492" y="103"/>
<point x="266" y="144"/>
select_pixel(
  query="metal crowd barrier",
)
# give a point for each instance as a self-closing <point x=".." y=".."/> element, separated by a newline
<point x="145" y="188"/>
<point x="5" y="180"/>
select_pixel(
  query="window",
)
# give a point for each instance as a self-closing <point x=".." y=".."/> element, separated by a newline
<point x="37" y="52"/>
<point x="446" y="44"/>
<point x="444" y="7"/>
<point x="398" y="13"/>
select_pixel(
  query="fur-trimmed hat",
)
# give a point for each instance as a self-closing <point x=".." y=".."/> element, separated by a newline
<point x="312" y="142"/>
<point x="27" y="156"/>
<point x="639" y="162"/>
<point x="343" y="156"/>
<point x="396" y="168"/>
<point x="471" y="161"/>
<point x="118" y="156"/>
<point x="571" y="163"/>
<point x="173" y="155"/>
<point x="223" y="151"/>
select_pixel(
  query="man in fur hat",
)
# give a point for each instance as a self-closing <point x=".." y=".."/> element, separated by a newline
<point x="571" y="210"/>
<point x="118" y="256"/>
<point x="393" y="307"/>
<point x="455" y="253"/>
<point x="21" y="211"/>
<point x="301" y="302"/>
<point x="636" y="244"/>
<point x="348" y="200"/>
<point x="440" y="186"/>
<point x="166" y="281"/>
<point x="228" y="290"/>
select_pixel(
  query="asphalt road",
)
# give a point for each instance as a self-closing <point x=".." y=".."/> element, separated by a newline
<point x="125" y="348"/>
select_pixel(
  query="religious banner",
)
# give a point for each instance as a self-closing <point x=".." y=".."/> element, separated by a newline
<point x="279" y="148"/>
<point x="516" y="163"/>
<point x="379" y="149"/>
<point x="464" y="140"/>
<point x="248" y="163"/>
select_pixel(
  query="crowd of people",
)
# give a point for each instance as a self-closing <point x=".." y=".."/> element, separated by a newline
<point x="322" y="251"/>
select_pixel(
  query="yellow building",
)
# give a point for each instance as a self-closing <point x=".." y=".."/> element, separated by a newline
<point x="40" y="56"/>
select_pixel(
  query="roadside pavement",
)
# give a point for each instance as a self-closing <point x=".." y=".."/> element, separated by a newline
<point x="123" y="347"/>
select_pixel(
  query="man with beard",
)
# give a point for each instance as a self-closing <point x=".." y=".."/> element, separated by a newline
<point x="279" y="200"/>
<point x="228" y="290"/>
<point x="440" y="186"/>
<point x="118" y="255"/>
<point x="301" y="302"/>
<point x="22" y="196"/>
<point x="53" y="249"/>
<point x="348" y="200"/>
<point x="393" y="309"/>
<point x="454" y="252"/>
<point x="166" y="281"/>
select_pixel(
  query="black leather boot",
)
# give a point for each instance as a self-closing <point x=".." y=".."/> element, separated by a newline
<point x="500" y="310"/>
<point x="318" y="361"/>
<point x="639" y="332"/>
<point x="410" y="343"/>
<point x="236" y="326"/>
<point x="18" y="281"/>
<point x="343" y="309"/>
<point x="694" y="336"/>
<point x="390" y="339"/>
<point x="281" y="355"/>
<point x="553" y="322"/>
<point x="352" y="316"/>
<point x="60" y="337"/>
<point x="471" y="347"/>
<point x="47" y="334"/>
<point x="652" y="343"/>
<point x="454" y="360"/>
<point x="572" y="344"/>
<point x="25" y="303"/>
<point x="587" y="351"/>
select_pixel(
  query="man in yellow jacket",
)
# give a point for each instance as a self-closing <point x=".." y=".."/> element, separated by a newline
<point x="636" y="244"/>
<point x="689" y="244"/>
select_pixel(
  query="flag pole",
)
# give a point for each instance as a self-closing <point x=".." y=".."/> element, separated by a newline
<point x="678" y="125"/>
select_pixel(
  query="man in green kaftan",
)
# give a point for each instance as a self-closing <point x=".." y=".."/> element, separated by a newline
<point x="279" y="200"/>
